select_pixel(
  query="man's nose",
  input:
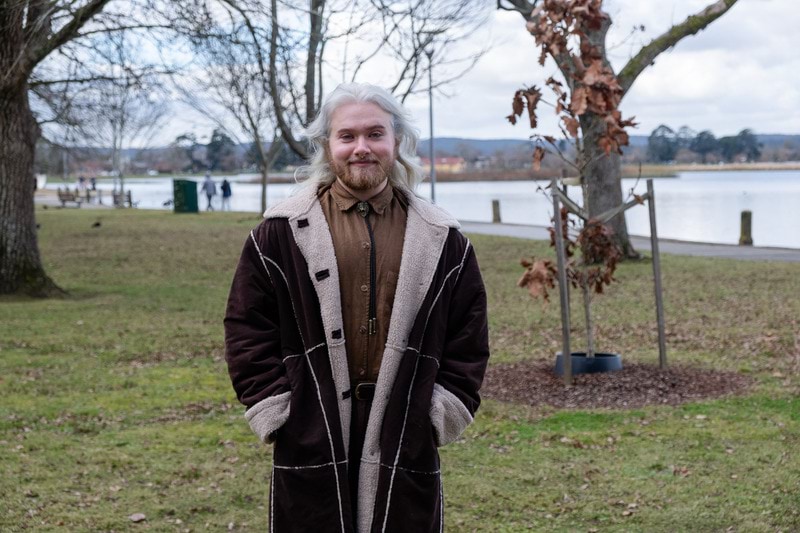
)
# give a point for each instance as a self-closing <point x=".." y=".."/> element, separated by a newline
<point x="361" y="146"/>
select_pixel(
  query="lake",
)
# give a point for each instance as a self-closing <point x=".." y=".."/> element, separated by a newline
<point x="694" y="206"/>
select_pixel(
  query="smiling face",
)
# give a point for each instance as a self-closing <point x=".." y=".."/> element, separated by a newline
<point x="361" y="145"/>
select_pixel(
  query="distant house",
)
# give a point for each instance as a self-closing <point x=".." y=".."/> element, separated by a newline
<point x="452" y="165"/>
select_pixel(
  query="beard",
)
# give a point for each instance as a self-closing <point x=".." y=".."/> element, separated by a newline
<point x="363" y="178"/>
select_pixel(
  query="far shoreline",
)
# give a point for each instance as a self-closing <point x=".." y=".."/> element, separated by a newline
<point x="628" y="171"/>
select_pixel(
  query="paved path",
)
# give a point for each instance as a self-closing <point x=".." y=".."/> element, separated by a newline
<point x="666" y="246"/>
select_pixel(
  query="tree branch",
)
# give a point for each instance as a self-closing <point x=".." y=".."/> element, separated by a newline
<point x="40" y="83"/>
<point x="690" y="26"/>
<point x="523" y="7"/>
<point x="68" y="32"/>
<point x="125" y="28"/>
<point x="286" y="130"/>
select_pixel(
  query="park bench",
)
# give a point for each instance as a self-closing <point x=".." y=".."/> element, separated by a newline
<point x="122" y="199"/>
<point x="65" y="195"/>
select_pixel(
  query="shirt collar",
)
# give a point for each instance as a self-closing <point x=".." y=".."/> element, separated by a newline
<point x="345" y="200"/>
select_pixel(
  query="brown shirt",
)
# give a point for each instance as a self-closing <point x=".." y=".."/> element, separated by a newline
<point x="351" y="241"/>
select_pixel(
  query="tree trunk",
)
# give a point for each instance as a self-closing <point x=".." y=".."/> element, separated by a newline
<point x="587" y="310"/>
<point x="602" y="176"/>
<point x="314" y="39"/>
<point x="264" y="181"/>
<point x="21" y="270"/>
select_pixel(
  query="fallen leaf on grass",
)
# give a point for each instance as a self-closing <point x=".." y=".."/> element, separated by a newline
<point x="680" y="471"/>
<point x="137" y="517"/>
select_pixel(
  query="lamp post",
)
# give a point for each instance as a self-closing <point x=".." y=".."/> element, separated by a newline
<point x="429" y="53"/>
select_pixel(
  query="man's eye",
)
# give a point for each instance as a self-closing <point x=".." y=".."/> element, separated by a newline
<point x="376" y="134"/>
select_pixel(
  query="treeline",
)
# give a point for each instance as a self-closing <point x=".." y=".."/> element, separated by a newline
<point x="186" y="154"/>
<point x="666" y="145"/>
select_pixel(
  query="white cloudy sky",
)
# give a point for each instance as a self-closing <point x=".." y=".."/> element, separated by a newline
<point x="743" y="71"/>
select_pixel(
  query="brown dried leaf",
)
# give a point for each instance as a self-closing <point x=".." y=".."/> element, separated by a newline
<point x="572" y="126"/>
<point x="532" y="96"/>
<point x="538" y="155"/>
<point x="539" y="276"/>
<point x="596" y="73"/>
<point x="517" y="104"/>
<point x="579" y="102"/>
<point x="605" y="143"/>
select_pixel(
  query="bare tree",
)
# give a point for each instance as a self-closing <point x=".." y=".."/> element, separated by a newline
<point x="30" y="32"/>
<point x="602" y="167"/>
<point x="226" y="86"/>
<point x="41" y="42"/>
<point x="290" y="51"/>
<point x="129" y="107"/>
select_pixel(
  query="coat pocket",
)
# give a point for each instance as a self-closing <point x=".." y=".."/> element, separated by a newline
<point x="311" y="498"/>
<point x="414" y="504"/>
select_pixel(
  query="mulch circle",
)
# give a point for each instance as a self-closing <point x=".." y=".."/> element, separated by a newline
<point x="636" y="385"/>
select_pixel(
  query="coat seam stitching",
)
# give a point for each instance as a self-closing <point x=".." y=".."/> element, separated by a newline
<point x="316" y="384"/>
<point x="413" y="377"/>
<point x="331" y="463"/>
<point x="320" y="345"/>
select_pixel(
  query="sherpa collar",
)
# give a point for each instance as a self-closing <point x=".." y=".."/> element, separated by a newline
<point x="303" y="200"/>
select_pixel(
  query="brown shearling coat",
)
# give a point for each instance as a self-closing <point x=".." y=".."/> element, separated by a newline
<point x="286" y="356"/>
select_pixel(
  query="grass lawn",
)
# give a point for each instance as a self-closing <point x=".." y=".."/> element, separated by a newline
<point x="116" y="400"/>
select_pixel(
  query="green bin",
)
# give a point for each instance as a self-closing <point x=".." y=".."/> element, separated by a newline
<point x="184" y="196"/>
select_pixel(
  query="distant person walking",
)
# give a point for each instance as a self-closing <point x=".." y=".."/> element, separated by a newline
<point x="226" y="195"/>
<point x="210" y="188"/>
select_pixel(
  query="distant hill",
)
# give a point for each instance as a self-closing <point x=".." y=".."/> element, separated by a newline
<point x="777" y="140"/>
<point x="487" y="147"/>
<point x="766" y="139"/>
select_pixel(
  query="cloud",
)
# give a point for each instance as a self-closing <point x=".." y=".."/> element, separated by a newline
<point x="743" y="71"/>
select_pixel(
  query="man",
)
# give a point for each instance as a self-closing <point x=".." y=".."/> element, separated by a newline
<point x="356" y="330"/>
<point x="226" y="195"/>
<point x="210" y="188"/>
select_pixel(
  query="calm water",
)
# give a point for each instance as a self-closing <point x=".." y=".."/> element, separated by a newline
<point x="695" y="206"/>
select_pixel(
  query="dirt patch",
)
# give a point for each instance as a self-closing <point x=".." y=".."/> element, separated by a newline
<point x="636" y="385"/>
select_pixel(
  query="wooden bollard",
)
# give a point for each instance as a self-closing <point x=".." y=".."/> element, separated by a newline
<point x="746" y="235"/>
<point x="496" y="211"/>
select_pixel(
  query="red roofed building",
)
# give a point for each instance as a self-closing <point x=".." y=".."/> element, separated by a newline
<point x="451" y="165"/>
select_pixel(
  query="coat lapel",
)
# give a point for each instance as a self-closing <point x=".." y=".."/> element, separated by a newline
<point x="313" y="238"/>
<point x="426" y="232"/>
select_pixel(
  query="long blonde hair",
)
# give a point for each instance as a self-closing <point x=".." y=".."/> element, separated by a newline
<point x="405" y="173"/>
